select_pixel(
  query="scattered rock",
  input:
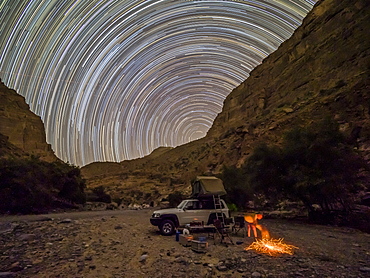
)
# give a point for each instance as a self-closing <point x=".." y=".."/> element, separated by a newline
<point x="222" y="267"/>
<point x="7" y="274"/>
<point x="143" y="257"/>
<point x="27" y="237"/>
<point x="180" y="260"/>
<point x="67" y="220"/>
<point x="256" y="274"/>
<point x="365" y="269"/>
<point x="288" y="110"/>
<point x="7" y="227"/>
<point x="16" y="267"/>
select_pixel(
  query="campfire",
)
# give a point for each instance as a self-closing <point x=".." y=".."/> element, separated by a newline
<point x="267" y="245"/>
<point x="272" y="247"/>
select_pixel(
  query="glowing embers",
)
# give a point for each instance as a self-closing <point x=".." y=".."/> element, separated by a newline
<point x="272" y="247"/>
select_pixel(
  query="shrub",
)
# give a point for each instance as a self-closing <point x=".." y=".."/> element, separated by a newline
<point x="313" y="165"/>
<point x="102" y="196"/>
<point x="263" y="172"/>
<point x="320" y="167"/>
<point x="33" y="186"/>
<point x="232" y="207"/>
<point x="175" y="198"/>
<point x="238" y="191"/>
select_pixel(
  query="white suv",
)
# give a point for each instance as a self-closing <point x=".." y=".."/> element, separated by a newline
<point x="188" y="211"/>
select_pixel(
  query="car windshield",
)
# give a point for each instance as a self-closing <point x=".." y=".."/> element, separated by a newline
<point x="182" y="204"/>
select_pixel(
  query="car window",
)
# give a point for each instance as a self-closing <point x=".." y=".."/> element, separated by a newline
<point x="193" y="205"/>
<point x="209" y="204"/>
<point x="197" y="205"/>
<point x="182" y="204"/>
<point x="189" y="205"/>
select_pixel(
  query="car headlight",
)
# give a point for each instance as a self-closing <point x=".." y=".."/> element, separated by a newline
<point x="156" y="215"/>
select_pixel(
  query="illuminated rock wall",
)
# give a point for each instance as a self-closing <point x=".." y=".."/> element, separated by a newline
<point x="23" y="129"/>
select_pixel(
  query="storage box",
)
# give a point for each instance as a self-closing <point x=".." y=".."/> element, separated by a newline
<point x="185" y="240"/>
<point x="199" y="246"/>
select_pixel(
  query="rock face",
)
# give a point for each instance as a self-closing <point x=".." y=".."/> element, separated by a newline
<point x="323" y="69"/>
<point x="22" y="131"/>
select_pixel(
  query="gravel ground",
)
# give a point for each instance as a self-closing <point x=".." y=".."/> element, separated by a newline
<point x="124" y="244"/>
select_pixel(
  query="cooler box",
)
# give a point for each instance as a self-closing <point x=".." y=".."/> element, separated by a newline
<point x="199" y="246"/>
<point x="185" y="240"/>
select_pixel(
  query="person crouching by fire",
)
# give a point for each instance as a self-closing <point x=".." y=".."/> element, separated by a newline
<point x="251" y="220"/>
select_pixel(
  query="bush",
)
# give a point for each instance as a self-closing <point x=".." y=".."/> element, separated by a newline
<point x="101" y="195"/>
<point x="238" y="191"/>
<point x="232" y="207"/>
<point x="320" y="168"/>
<point x="68" y="180"/>
<point x="313" y="165"/>
<point x="33" y="186"/>
<point x="264" y="171"/>
<point x="174" y="199"/>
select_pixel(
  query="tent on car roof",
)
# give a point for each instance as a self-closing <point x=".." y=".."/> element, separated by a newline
<point x="205" y="186"/>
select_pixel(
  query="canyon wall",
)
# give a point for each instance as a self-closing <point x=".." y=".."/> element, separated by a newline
<point x="22" y="132"/>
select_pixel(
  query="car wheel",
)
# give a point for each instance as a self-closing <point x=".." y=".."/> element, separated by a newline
<point x="167" y="227"/>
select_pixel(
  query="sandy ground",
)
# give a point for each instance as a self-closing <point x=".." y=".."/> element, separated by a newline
<point x="112" y="244"/>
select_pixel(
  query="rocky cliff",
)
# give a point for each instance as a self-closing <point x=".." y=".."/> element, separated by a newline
<point x="22" y="133"/>
<point x="32" y="178"/>
<point x="323" y="69"/>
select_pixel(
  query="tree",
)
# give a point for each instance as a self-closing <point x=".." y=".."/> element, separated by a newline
<point x="264" y="171"/>
<point x="32" y="185"/>
<point x="314" y="165"/>
<point x="320" y="167"/>
<point x="174" y="199"/>
<point x="236" y="186"/>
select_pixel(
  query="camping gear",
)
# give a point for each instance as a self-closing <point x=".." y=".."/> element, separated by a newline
<point x="178" y="235"/>
<point x="222" y="232"/>
<point x="199" y="246"/>
<point x="202" y="239"/>
<point x="185" y="240"/>
<point x="239" y="225"/>
<point x="205" y="186"/>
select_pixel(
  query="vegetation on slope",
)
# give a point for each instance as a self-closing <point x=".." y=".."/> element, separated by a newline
<point x="30" y="185"/>
<point x="315" y="164"/>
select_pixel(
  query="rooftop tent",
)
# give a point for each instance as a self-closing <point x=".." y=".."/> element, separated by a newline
<point x="207" y="186"/>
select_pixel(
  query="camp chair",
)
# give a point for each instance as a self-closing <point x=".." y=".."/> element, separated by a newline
<point x="221" y="232"/>
<point x="239" y="225"/>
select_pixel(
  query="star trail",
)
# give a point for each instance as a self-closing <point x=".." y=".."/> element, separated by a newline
<point x="113" y="80"/>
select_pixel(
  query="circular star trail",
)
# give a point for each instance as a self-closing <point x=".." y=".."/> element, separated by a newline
<point x="113" y="80"/>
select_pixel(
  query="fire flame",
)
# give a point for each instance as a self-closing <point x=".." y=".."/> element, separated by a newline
<point x="272" y="247"/>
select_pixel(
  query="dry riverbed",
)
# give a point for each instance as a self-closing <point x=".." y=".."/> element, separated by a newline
<point x="112" y="244"/>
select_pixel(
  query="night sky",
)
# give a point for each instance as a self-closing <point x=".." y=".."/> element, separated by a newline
<point x="114" y="80"/>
